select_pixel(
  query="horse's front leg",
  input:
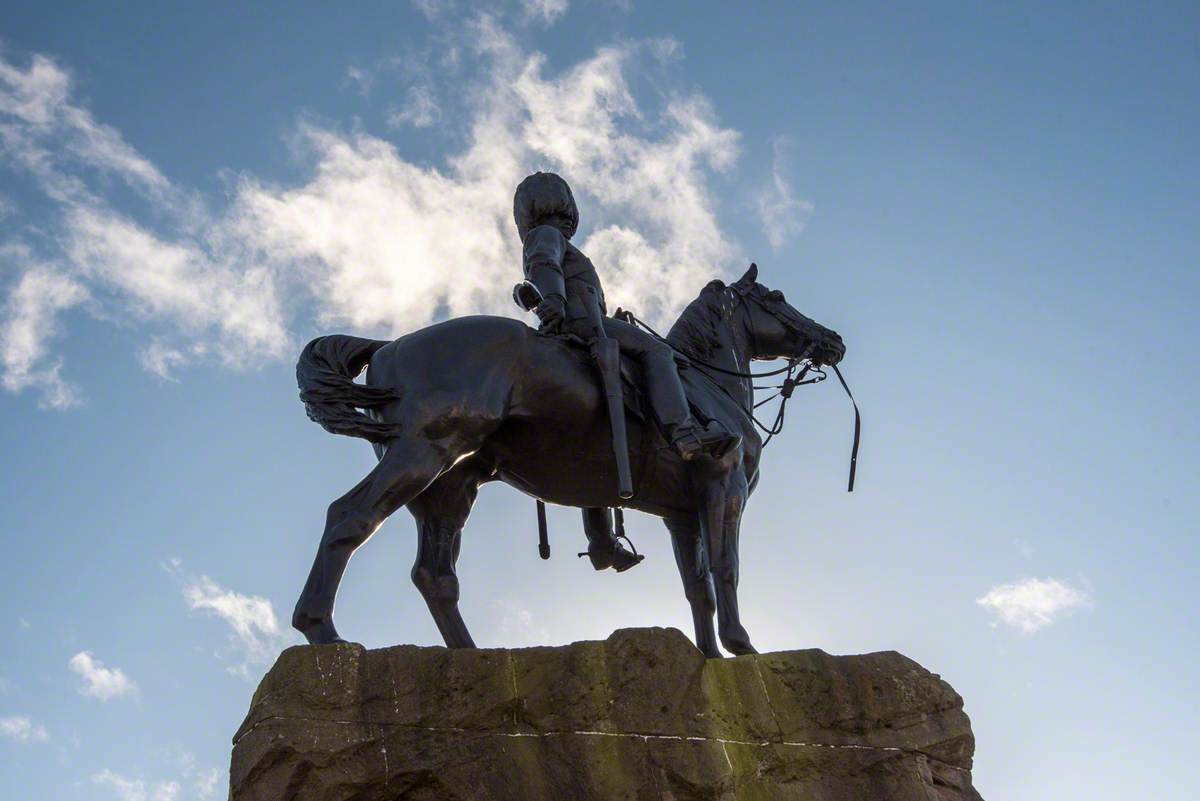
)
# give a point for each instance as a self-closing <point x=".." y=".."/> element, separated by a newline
<point x="725" y="499"/>
<point x="697" y="584"/>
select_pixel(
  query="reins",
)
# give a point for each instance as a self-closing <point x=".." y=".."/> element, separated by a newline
<point x="790" y="382"/>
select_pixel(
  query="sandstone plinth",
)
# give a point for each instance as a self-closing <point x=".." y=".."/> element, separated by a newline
<point x="641" y="715"/>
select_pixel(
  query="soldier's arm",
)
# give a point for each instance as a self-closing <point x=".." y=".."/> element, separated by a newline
<point x="545" y="247"/>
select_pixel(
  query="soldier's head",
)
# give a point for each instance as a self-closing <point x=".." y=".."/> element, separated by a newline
<point x="545" y="199"/>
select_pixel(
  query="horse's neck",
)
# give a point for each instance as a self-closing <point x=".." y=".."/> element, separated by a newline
<point x="707" y="332"/>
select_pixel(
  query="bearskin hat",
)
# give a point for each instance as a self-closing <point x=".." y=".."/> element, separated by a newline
<point x="539" y="196"/>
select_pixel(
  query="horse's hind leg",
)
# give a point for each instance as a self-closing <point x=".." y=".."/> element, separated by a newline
<point x="697" y="584"/>
<point x="406" y="469"/>
<point x="441" y="512"/>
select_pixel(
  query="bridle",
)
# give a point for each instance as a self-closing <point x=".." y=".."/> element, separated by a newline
<point x="792" y="379"/>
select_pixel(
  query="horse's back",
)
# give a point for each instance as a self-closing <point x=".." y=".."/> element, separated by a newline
<point x="448" y="350"/>
<point x="481" y="368"/>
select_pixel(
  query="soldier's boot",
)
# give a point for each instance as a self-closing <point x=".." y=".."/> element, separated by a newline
<point x="691" y="441"/>
<point x="611" y="553"/>
<point x="604" y="548"/>
<point x="669" y="403"/>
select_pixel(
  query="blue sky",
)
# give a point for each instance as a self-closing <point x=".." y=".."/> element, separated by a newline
<point x="996" y="206"/>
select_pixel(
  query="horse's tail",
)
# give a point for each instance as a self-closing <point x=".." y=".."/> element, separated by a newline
<point x="326" y="372"/>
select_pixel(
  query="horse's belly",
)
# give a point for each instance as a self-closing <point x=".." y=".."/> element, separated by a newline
<point x="576" y="467"/>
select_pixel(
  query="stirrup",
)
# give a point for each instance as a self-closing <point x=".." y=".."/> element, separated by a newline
<point x="604" y="555"/>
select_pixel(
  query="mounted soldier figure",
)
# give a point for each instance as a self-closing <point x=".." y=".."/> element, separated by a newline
<point x="572" y="303"/>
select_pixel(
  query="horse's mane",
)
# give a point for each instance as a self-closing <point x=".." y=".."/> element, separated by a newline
<point x="695" y="332"/>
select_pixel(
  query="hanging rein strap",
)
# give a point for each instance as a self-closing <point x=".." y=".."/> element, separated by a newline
<point x="857" y="429"/>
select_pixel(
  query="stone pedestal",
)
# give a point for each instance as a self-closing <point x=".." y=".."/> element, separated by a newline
<point x="641" y="715"/>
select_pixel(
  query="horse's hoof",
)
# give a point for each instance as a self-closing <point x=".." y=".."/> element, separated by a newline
<point x="317" y="632"/>
<point x="740" y="648"/>
<point x="737" y="642"/>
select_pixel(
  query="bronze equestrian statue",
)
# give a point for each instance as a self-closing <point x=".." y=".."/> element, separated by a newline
<point x="477" y="399"/>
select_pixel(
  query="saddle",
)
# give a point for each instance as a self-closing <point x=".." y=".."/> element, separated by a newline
<point x="635" y="400"/>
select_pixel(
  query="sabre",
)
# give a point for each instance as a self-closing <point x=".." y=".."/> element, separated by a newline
<point x="607" y="356"/>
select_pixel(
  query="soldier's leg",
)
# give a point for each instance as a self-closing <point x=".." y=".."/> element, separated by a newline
<point x="665" y="393"/>
<point x="663" y="387"/>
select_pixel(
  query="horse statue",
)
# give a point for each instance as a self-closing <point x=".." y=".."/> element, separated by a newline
<point x="478" y="399"/>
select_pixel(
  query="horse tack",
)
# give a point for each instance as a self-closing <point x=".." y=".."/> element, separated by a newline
<point x="785" y="389"/>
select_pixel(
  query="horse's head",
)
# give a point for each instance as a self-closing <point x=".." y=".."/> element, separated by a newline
<point x="778" y="331"/>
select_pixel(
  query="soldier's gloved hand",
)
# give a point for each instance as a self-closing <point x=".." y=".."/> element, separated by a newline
<point x="551" y="312"/>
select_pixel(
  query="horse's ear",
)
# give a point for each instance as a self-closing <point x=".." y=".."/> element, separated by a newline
<point x="715" y="285"/>
<point x="748" y="280"/>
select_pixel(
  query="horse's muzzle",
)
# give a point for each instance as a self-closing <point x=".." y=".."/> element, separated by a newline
<point x="829" y="350"/>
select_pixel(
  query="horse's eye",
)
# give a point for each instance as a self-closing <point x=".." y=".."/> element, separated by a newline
<point x="775" y="295"/>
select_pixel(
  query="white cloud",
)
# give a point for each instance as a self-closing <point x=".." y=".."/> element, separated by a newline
<point x="161" y="359"/>
<point x="47" y="135"/>
<point x="100" y="681"/>
<point x="180" y="282"/>
<point x="518" y="627"/>
<point x="203" y="782"/>
<point x="128" y="789"/>
<point x="433" y="9"/>
<point x="30" y="321"/>
<point x="545" y="11"/>
<point x="420" y="111"/>
<point x="783" y="214"/>
<point x="1032" y="604"/>
<point x="22" y="729"/>
<point x="206" y="783"/>
<point x="368" y="240"/>
<point x="104" y="256"/>
<point x="361" y="79"/>
<point x="256" y="631"/>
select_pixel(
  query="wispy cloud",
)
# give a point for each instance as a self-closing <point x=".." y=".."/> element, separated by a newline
<point x="369" y="239"/>
<point x="44" y="132"/>
<point x="99" y="681"/>
<point x="256" y="636"/>
<point x="519" y="626"/>
<point x="420" y="110"/>
<point x="191" y="281"/>
<point x="783" y="214"/>
<point x="202" y="782"/>
<point x="1032" y="604"/>
<point x="206" y="782"/>
<point x="360" y="78"/>
<point x="545" y="11"/>
<point x="127" y="789"/>
<point x="161" y="359"/>
<point x="22" y="729"/>
<point x="29" y="323"/>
